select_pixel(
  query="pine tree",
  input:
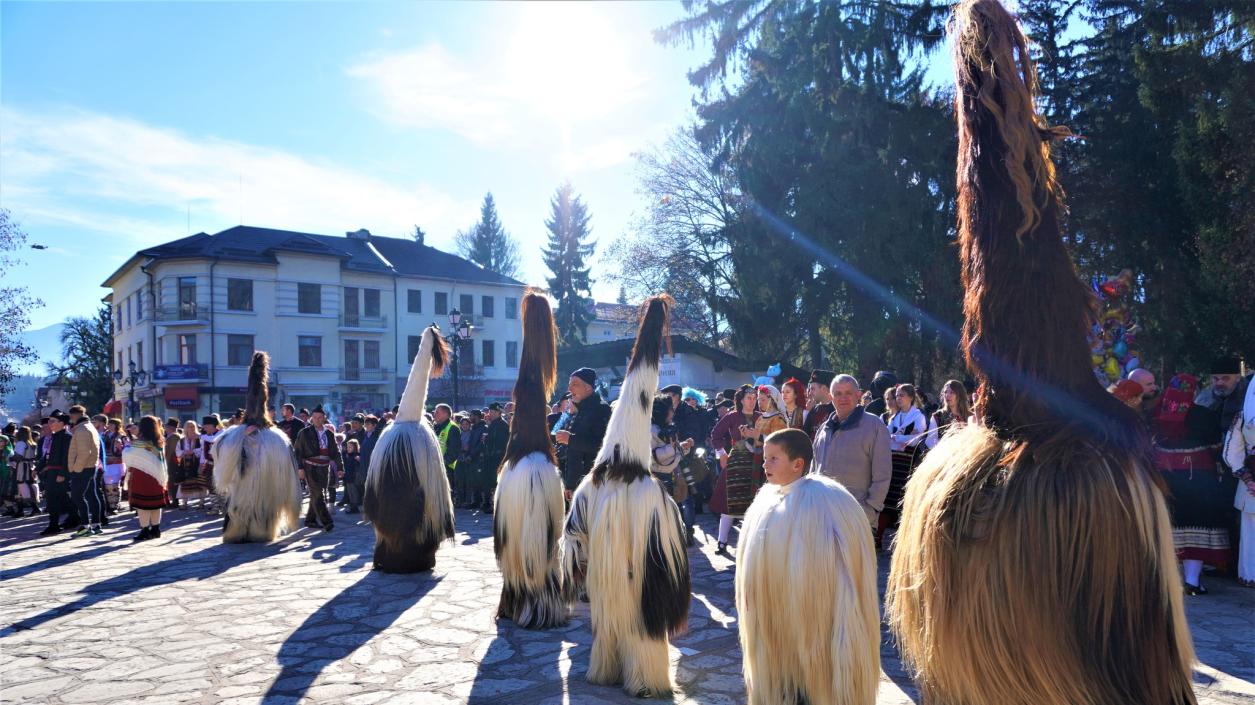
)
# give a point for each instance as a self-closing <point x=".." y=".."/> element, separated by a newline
<point x="565" y="254"/>
<point x="622" y="299"/>
<point x="419" y="236"/>
<point x="487" y="244"/>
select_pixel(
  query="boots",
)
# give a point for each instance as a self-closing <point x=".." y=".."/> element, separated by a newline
<point x="144" y="534"/>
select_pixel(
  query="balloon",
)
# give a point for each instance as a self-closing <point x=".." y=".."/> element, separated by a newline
<point x="1112" y="368"/>
<point x="1120" y="349"/>
<point x="1133" y="363"/>
<point x="1096" y="359"/>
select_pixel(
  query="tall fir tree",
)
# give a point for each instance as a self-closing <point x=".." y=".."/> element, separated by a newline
<point x="568" y="248"/>
<point x="487" y="243"/>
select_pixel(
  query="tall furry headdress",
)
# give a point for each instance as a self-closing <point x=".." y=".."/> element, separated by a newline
<point x="538" y="374"/>
<point x="433" y="354"/>
<point x="257" y="403"/>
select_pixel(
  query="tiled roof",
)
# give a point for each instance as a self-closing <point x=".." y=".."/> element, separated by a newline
<point x="384" y="255"/>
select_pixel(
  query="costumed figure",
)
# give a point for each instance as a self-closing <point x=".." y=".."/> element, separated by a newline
<point x="254" y="469"/>
<point x="1239" y="455"/>
<point x="407" y="490"/>
<point x="1035" y="563"/>
<point x="527" y="524"/>
<point x="625" y="539"/>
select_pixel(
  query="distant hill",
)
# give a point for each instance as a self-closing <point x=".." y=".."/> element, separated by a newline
<point x="16" y="403"/>
<point x="46" y="342"/>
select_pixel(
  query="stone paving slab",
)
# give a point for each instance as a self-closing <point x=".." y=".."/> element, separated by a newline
<point x="186" y="619"/>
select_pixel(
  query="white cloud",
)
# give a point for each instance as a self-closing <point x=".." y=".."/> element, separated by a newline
<point x="135" y="182"/>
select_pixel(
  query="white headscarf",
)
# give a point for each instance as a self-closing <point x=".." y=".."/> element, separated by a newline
<point x="776" y="397"/>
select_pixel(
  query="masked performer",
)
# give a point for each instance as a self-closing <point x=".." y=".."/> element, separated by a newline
<point x="1035" y="563"/>
<point x="527" y="525"/>
<point x="625" y="538"/>
<point x="254" y="469"/>
<point x="407" y="491"/>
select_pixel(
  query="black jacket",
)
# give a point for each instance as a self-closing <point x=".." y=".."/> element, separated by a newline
<point x="307" y="446"/>
<point x="495" y="441"/>
<point x="368" y="445"/>
<point x="588" y="429"/>
<point x="475" y="449"/>
<point x="58" y="452"/>
<point x="292" y="427"/>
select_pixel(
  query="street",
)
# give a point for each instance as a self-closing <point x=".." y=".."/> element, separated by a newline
<point x="186" y="619"/>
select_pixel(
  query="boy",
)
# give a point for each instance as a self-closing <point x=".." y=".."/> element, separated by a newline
<point x="806" y="586"/>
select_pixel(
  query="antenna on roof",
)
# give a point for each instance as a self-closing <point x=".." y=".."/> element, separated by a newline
<point x="241" y="199"/>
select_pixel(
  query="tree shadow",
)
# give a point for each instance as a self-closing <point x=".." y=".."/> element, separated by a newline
<point x="341" y="626"/>
<point x="201" y="565"/>
<point x="60" y="559"/>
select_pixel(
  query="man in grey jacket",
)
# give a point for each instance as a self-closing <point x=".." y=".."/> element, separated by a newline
<point x="852" y="447"/>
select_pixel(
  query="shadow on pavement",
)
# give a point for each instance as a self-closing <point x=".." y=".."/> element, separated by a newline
<point x="341" y="626"/>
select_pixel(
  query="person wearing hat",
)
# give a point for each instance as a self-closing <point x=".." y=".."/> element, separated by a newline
<point x="1235" y="403"/>
<point x="818" y="401"/>
<point x="210" y="432"/>
<point x="496" y="436"/>
<point x="54" y="476"/>
<point x="316" y="449"/>
<point x="467" y="477"/>
<point x="1227" y="391"/>
<point x="584" y="434"/>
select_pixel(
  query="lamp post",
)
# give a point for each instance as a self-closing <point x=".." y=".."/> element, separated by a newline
<point x="137" y="377"/>
<point x="462" y="330"/>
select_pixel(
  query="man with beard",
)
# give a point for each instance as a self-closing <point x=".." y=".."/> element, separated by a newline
<point x="1149" y="404"/>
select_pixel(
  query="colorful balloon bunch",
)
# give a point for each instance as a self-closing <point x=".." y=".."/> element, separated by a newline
<point x="773" y="372"/>
<point x="1114" y="336"/>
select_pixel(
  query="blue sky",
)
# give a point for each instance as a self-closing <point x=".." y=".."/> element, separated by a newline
<point x="115" y="119"/>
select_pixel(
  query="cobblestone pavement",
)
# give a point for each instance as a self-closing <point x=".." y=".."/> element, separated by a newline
<point x="186" y="619"/>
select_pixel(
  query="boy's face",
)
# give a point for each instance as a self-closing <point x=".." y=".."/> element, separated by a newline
<point x="780" y="470"/>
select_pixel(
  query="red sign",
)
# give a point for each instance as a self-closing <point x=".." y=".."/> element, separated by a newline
<point x="182" y="397"/>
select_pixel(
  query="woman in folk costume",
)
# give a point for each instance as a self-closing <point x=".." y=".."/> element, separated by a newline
<point x="407" y="490"/>
<point x="254" y="469"/>
<point x="809" y="615"/>
<point x="145" y="463"/>
<point x="1239" y="455"/>
<point x="625" y="539"/>
<point x="1034" y="564"/>
<point x="740" y="475"/>
<point x="527" y="524"/>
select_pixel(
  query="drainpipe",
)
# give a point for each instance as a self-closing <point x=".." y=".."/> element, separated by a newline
<point x="152" y="316"/>
<point x="396" y="337"/>
<point x="213" y="339"/>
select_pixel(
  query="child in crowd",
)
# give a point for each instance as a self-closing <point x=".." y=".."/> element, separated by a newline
<point x="806" y="586"/>
<point x="352" y="468"/>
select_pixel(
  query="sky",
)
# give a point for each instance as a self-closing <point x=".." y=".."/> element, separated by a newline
<point x="128" y="125"/>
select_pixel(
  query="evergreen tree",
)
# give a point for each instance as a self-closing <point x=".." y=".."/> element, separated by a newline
<point x="568" y="248"/>
<point x="487" y="244"/>
<point x="622" y="298"/>
<point x="419" y="236"/>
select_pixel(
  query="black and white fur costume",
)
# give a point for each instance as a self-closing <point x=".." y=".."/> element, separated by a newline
<point x="625" y="539"/>
<point x="527" y="524"/>
<point x="407" y="491"/>
<point x="255" y="471"/>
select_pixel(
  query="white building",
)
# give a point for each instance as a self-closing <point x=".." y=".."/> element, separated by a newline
<point x="340" y="316"/>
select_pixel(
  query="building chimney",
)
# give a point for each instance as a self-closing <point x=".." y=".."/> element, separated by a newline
<point x="362" y="234"/>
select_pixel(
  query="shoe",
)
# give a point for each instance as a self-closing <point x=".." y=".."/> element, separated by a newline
<point x="154" y="531"/>
<point x="311" y="524"/>
<point x="34" y="511"/>
<point x="96" y="531"/>
<point x="327" y="529"/>
<point x="351" y="510"/>
<point x="82" y="531"/>
<point x="722" y="549"/>
<point x="50" y="531"/>
<point x="486" y="508"/>
<point x="141" y="536"/>
<point x="1195" y="589"/>
<point x="104" y="521"/>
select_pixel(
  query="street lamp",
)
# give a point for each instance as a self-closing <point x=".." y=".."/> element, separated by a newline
<point x="137" y="377"/>
<point x="462" y="330"/>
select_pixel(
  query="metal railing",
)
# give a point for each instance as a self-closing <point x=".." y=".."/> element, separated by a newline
<point x="355" y="320"/>
<point x="182" y="312"/>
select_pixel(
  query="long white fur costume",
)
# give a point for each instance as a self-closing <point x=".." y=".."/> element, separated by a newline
<point x="527" y="523"/>
<point x="625" y="538"/>
<point x="806" y="596"/>
<point x="407" y="492"/>
<point x="257" y="472"/>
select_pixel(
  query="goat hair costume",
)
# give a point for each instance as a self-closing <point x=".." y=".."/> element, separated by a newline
<point x="806" y="596"/>
<point x="254" y="469"/>
<point x="1034" y="565"/>
<point x="625" y="539"/>
<point x="527" y="523"/>
<point x="407" y="492"/>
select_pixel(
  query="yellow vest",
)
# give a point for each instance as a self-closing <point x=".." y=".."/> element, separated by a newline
<point x="444" y="444"/>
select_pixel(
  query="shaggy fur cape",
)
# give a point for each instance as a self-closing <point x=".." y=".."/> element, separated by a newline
<point x="527" y="524"/>
<point x="407" y="492"/>
<point x="256" y="471"/>
<point x="806" y="598"/>
<point x="625" y="537"/>
<point x="1035" y="563"/>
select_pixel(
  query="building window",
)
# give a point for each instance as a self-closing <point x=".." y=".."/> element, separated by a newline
<point x="489" y="353"/>
<point x="370" y="354"/>
<point x="139" y="305"/>
<point x="511" y="308"/>
<point x="442" y="303"/>
<point x="511" y="354"/>
<point x="351" y="365"/>
<point x="308" y="298"/>
<point x="139" y="355"/>
<point x="239" y="294"/>
<point x="351" y="314"/>
<point x="411" y="347"/>
<point x="239" y="350"/>
<point x="309" y="350"/>
<point x="119" y="361"/>
<point x="187" y="298"/>
<point x="187" y="349"/>
<point x="487" y="307"/>
<point x="468" y="305"/>
<point x="117" y="319"/>
<point x="414" y="301"/>
<point x="370" y="303"/>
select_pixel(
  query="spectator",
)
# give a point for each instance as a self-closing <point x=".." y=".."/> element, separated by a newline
<point x="667" y="452"/>
<point x="290" y="423"/>
<point x="587" y="429"/>
<point x="468" y="477"/>
<point x="25" y="454"/>
<point x="853" y="448"/>
<point x="317" y="450"/>
<point x="1148" y="405"/>
<point x="450" y="437"/>
<point x="891" y="405"/>
<point x="953" y="414"/>
<point x="907" y="431"/>
<point x="145" y="462"/>
<point x="373" y="427"/>
<point x="354" y="475"/>
<point x="1239" y="455"/>
<point x="793" y="394"/>
<point x="818" y="401"/>
<point x="172" y="438"/>
<point x="54" y="476"/>
<point x="82" y="458"/>
<point x="496" y="437"/>
<point x="731" y="438"/>
<point x="881" y="383"/>
<point x="190" y="480"/>
<point x="111" y="459"/>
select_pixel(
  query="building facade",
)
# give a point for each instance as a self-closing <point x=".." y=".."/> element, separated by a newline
<point x="340" y="316"/>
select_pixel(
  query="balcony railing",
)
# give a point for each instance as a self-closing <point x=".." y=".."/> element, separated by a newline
<point x="355" y="374"/>
<point x="355" y="320"/>
<point x="182" y="312"/>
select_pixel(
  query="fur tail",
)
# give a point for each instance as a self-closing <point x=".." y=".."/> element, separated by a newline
<point x="257" y="404"/>
<point x="627" y="434"/>
<point x="433" y="352"/>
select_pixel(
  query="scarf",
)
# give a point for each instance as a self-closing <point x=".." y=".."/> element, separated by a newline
<point x="146" y="458"/>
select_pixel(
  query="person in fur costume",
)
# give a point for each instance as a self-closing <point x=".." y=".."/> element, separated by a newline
<point x="407" y="490"/>
<point x="254" y="469"/>
<point x="625" y="539"/>
<point x="1035" y="561"/>
<point x="527" y="525"/>
<point x="809" y="615"/>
